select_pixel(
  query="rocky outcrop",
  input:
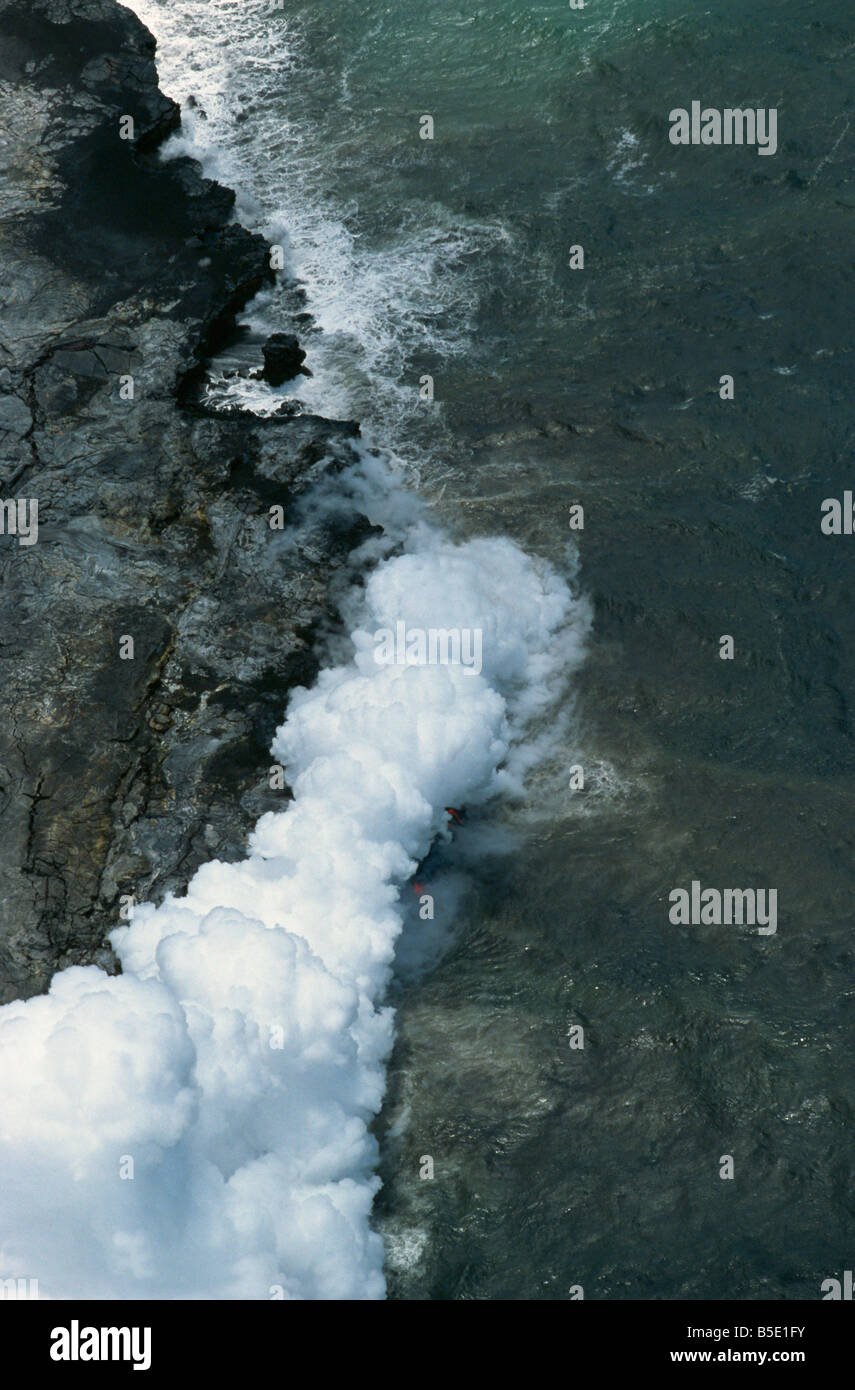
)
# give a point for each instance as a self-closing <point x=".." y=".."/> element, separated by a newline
<point x="149" y="636"/>
<point x="283" y="358"/>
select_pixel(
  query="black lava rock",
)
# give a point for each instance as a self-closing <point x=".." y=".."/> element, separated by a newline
<point x="283" y="359"/>
<point x="151" y="630"/>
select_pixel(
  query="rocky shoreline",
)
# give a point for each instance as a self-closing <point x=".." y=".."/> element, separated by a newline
<point x="120" y="275"/>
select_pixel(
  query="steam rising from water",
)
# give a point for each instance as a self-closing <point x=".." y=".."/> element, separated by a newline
<point x="239" y="1059"/>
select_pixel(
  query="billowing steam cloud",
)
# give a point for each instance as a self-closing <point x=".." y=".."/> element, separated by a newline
<point x="235" y="1066"/>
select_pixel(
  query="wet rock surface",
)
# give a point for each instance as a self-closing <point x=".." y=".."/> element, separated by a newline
<point x="119" y="775"/>
<point x="283" y="358"/>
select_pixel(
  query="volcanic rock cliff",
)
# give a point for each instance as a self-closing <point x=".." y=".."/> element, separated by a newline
<point x="120" y="273"/>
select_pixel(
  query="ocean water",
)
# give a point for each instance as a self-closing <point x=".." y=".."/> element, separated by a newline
<point x="556" y="1166"/>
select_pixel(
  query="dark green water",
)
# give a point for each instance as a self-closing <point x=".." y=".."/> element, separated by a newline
<point x="556" y="1167"/>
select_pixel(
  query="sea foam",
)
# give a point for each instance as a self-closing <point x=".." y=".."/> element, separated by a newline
<point x="382" y="303"/>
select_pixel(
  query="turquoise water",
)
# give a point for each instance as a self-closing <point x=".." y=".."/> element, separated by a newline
<point x="450" y="257"/>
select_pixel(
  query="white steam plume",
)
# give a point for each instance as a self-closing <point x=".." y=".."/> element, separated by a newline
<point x="239" y="1059"/>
